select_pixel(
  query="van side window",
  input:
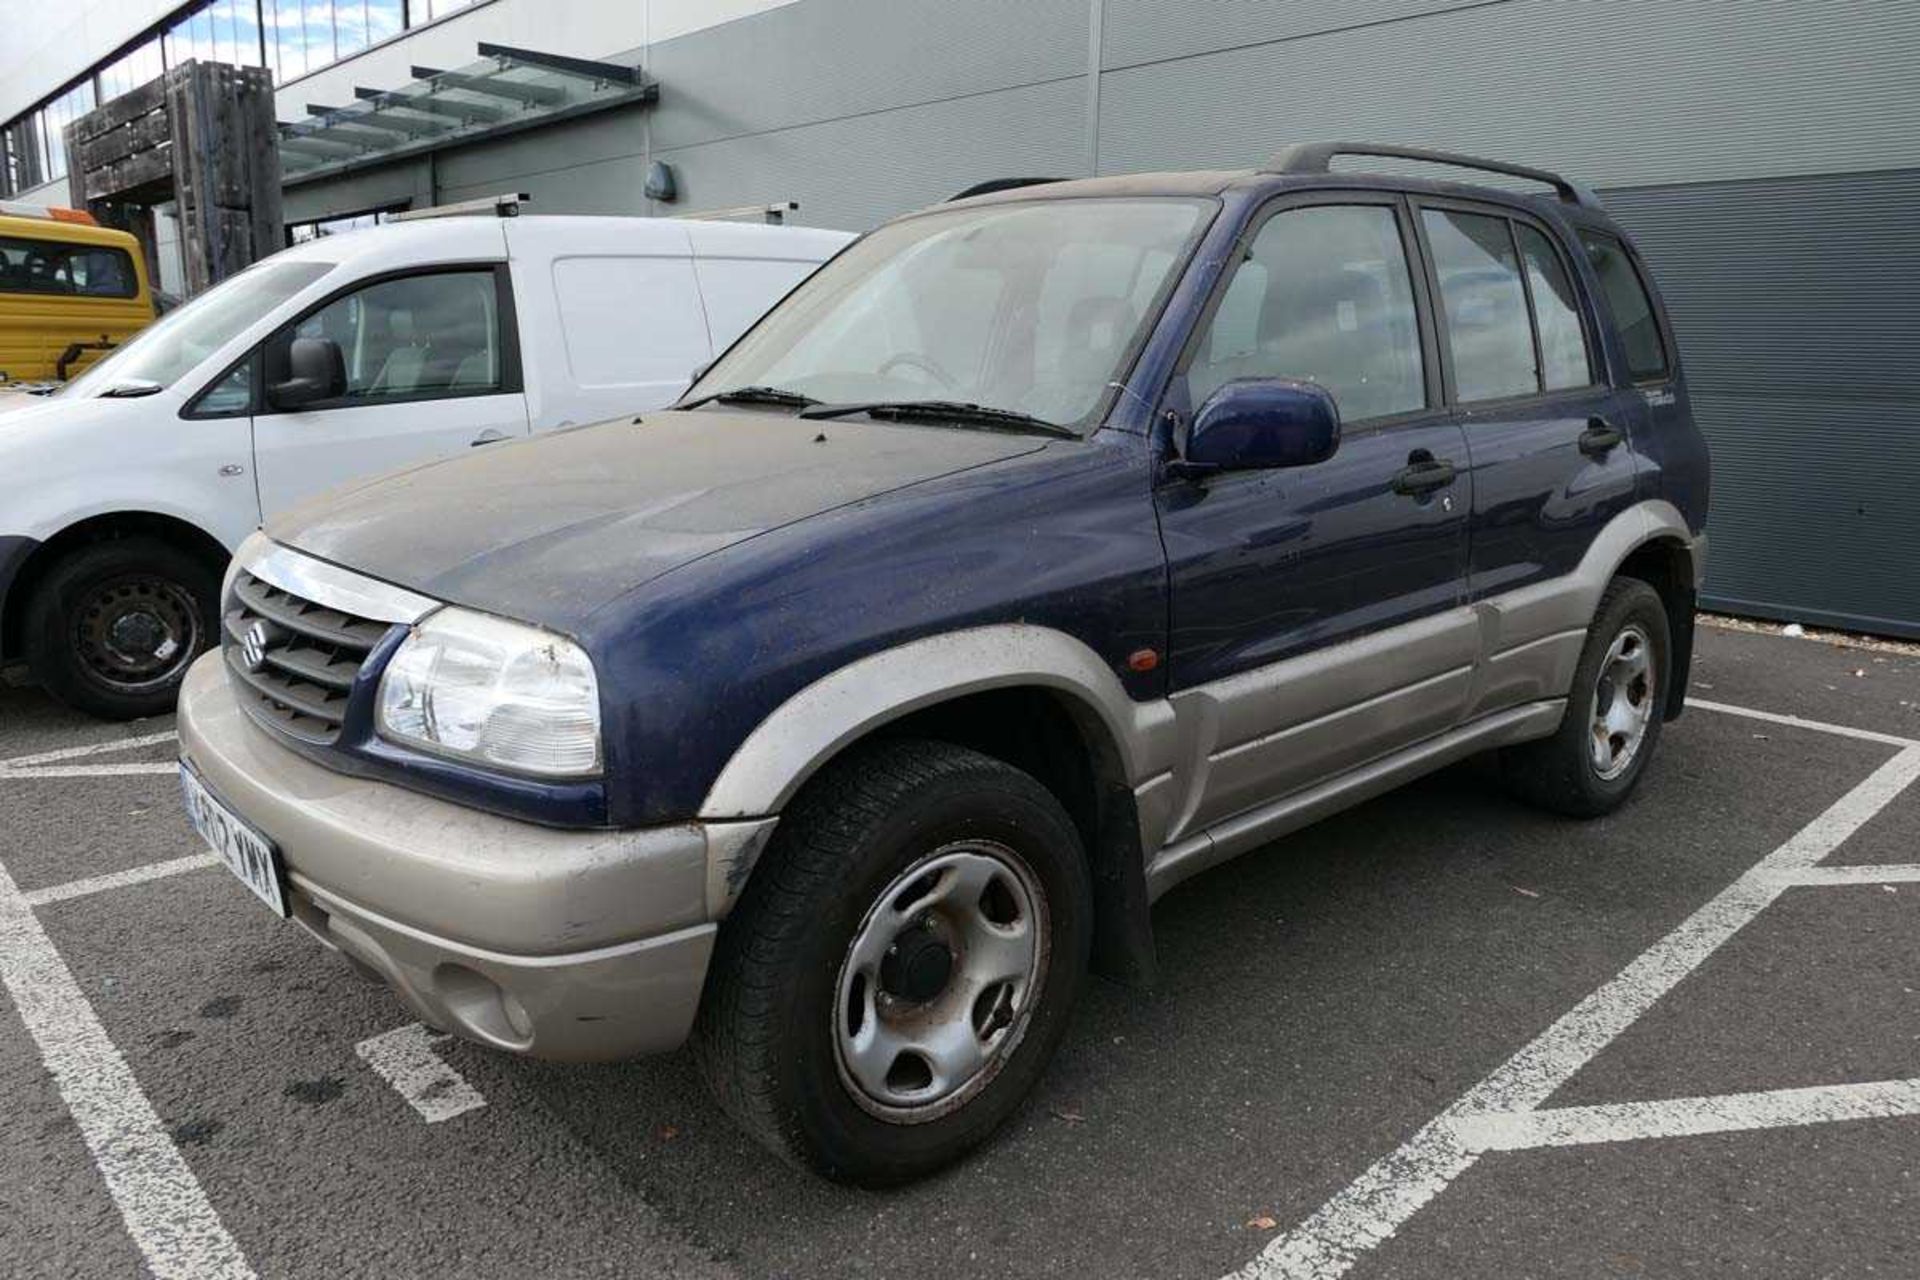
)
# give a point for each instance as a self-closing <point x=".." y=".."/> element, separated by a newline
<point x="415" y="337"/>
<point x="80" y="270"/>
<point x="1632" y="309"/>
<point x="1324" y="295"/>
<point x="1564" y="361"/>
<point x="1488" y="332"/>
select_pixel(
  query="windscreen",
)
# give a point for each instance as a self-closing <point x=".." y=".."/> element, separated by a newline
<point x="1032" y="306"/>
<point x="174" y="345"/>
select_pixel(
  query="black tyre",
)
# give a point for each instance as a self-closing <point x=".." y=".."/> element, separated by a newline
<point x="902" y="964"/>
<point x="1593" y="762"/>
<point x="113" y="627"/>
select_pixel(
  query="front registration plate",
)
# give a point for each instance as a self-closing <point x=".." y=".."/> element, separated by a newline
<point x="247" y="853"/>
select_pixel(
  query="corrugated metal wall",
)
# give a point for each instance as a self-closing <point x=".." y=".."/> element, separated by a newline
<point x="1797" y="306"/>
<point x="1794" y="294"/>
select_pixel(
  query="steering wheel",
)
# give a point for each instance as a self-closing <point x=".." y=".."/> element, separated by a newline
<point x="925" y="363"/>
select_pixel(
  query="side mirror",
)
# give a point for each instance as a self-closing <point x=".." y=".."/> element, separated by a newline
<point x="1263" y="422"/>
<point x="316" y="371"/>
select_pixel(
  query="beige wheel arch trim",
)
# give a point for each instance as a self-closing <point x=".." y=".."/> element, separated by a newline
<point x="813" y="725"/>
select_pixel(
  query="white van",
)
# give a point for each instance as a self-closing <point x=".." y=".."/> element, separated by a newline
<point x="123" y="495"/>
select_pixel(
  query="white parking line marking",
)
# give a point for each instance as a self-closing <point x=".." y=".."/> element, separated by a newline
<point x="92" y="749"/>
<point x="1379" y="1202"/>
<point x="1774" y="717"/>
<point x="165" y="1210"/>
<point x="405" y="1058"/>
<point x="91" y="770"/>
<point x="1689" y="1117"/>
<point x="119" y="879"/>
<point x="1822" y="877"/>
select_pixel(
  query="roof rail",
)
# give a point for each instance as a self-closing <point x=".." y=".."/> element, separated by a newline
<point x="992" y="185"/>
<point x="773" y="214"/>
<point x="505" y="205"/>
<point x="1317" y="157"/>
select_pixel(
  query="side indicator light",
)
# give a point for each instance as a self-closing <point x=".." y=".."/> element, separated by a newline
<point x="1143" y="660"/>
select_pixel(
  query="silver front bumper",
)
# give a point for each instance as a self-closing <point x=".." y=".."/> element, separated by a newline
<point x="581" y="945"/>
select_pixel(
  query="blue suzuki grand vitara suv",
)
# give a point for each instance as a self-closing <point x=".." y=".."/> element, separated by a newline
<point x="1043" y="549"/>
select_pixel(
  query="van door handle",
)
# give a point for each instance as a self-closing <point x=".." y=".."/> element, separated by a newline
<point x="1423" y="474"/>
<point x="489" y="436"/>
<point x="1599" y="438"/>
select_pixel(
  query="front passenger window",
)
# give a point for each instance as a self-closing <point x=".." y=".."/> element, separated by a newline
<point x="1323" y="296"/>
<point x="416" y="337"/>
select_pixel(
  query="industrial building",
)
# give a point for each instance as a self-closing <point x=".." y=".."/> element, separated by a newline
<point x="1765" y="152"/>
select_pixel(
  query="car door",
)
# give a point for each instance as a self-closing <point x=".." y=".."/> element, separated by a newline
<point x="1547" y="437"/>
<point x="1314" y="619"/>
<point x="432" y="369"/>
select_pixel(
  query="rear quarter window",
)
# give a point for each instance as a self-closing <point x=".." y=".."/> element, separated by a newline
<point x="71" y="270"/>
<point x="1632" y="307"/>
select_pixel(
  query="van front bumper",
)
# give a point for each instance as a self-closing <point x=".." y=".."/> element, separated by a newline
<point x="573" y="945"/>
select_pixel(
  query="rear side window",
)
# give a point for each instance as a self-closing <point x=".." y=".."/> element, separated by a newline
<point x="1632" y="308"/>
<point x="1486" y="305"/>
<point x="1324" y="296"/>
<point x="1563" y="343"/>
<point x="78" y="270"/>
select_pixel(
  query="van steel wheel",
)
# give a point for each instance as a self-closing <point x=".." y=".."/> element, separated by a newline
<point x="113" y="627"/>
<point x="1614" y="710"/>
<point x="901" y="965"/>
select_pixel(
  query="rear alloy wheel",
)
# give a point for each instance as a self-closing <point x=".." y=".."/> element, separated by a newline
<point x="1614" y="712"/>
<point x="115" y="626"/>
<point x="901" y="965"/>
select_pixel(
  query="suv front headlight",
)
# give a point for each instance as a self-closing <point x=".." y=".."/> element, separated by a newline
<point x="480" y="688"/>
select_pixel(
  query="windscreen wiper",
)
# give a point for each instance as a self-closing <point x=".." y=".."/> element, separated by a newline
<point x="945" y="411"/>
<point x="132" y="389"/>
<point x="752" y="395"/>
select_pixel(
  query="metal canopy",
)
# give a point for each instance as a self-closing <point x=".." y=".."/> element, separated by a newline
<point x="505" y="91"/>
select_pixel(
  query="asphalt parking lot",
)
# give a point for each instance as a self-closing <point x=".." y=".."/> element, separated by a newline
<point x="1438" y="1036"/>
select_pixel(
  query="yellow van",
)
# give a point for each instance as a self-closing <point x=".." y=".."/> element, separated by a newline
<point x="70" y="290"/>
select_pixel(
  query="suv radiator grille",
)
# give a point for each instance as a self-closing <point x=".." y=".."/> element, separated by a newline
<point x="293" y="660"/>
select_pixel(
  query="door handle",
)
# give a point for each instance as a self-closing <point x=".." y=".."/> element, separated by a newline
<point x="1423" y="475"/>
<point x="489" y="436"/>
<point x="1599" y="438"/>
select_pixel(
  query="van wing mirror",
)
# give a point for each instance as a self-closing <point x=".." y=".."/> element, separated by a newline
<point x="316" y="371"/>
<point x="1263" y="422"/>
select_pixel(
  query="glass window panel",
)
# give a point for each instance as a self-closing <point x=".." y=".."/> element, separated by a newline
<point x="1328" y="299"/>
<point x="414" y="337"/>
<point x="1556" y="313"/>
<point x="286" y="38"/>
<point x="200" y="36"/>
<point x="1486" y="306"/>
<point x="1627" y="300"/>
<point x="385" y="18"/>
<point x="220" y="18"/>
<point x="319" y="33"/>
<point x="231" y="394"/>
<point x="246" y="33"/>
<point x="349" y="27"/>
